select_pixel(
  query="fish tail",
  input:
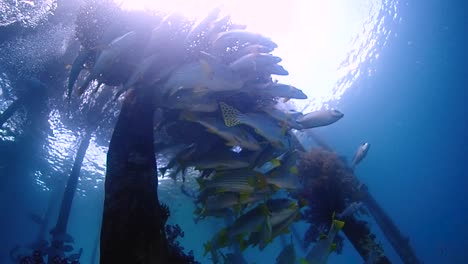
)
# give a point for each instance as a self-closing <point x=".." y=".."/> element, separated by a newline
<point x="338" y="224"/>
<point x="201" y="182"/>
<point x="208" y="246"/>
<point x="163" y="171"/>
<point x="231" y="115"/>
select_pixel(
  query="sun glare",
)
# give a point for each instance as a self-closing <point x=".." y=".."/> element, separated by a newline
<point x="313" y="36"/>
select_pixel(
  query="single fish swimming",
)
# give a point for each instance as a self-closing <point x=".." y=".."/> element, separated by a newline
<point x="360" y="154"/>
<point x="319" y="118"/>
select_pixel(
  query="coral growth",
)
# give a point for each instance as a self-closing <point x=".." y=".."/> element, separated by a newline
<point x="329" y="185"/>
<point x="173" y="232"/>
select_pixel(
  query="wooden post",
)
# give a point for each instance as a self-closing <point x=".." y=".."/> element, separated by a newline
<point x="132" y="229"/>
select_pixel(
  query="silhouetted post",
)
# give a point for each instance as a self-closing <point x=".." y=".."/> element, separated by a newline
<point x="132" y="229"/>
<point x="365" y="245"/>
<point x="69" y="194"/>
<point x="390" y="230"/>
<point x="10" y="111"/>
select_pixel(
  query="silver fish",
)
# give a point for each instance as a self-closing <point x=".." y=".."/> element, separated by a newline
<point x="203" y="25"/>
<point x="281" y="90"/>
<point x="202" y="76"/>
<point x="190" y="101"/>
<point x="319" y="118"/>
<point x="254" y="48"/>
<point x="253" y="61"/>
<point x="285" y="176"/>
<point x="275" y="69"/>
<point x="360" y="154"/>
<point x="224" y="39"/>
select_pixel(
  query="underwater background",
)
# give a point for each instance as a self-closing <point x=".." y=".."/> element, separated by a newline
<point x="403" y="89"/>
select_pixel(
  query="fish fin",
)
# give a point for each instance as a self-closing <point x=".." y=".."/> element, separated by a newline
<point x="292" y="205"/>
<point x="275" y="188"/>
<point x="201" y="182"/>
<point x="298" y="217"/>
<point x="302" y="202"/>
<point x="285" y="231"/>
<point x="262" y="181"/>
<point x="265" y="210"/>
<point x="119" y="93"/>
<point x="163" y="170"/>
<point x="338" y="224"/>
<point x="237" y="209"/>
<point x="268" y="226"/>
<point x="197" y="211"/>
<point x="333" y="247"/>
<point x="208" y="247"/>
<point x="223" y="237"/>
<point x="230" y="115"/>
<point x="286" y="100"/>
<point x="303" y="261"/>
<point x="241" y="241"/>
<point x="294" y="170"/>
<point x="243" y="196"/>
<point x="231" y="144"/>
<point x="275" y="162"/>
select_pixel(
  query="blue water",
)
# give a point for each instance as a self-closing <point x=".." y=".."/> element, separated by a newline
<point x="411" y="108"/>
